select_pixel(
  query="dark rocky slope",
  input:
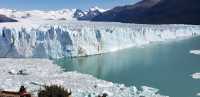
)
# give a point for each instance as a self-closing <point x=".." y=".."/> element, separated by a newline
<point x="155" y="12"/>
<point x="3" y="18"/>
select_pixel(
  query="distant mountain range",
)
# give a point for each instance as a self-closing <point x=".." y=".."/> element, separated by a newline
<point x="143" y="12"/>
<point x="89" y="14"/>
<point x="155" y="12"/>
<point x="3" y="18"/>
<point x="38" y="15"/>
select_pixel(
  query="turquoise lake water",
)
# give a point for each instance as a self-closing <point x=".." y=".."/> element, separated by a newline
<point x="165" y="65"/>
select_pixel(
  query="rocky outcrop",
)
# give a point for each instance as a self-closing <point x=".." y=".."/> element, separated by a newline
<point x="3" y="18"/>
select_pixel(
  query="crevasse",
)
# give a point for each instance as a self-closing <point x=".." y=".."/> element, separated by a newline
<point x="57" y="40"/>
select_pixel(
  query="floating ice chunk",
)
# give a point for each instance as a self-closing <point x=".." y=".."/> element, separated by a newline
<point x="12" y="72"/>
<point x="150" y="89"/>
<point x="134" y="89"/>
<point x="57" y="82"/>
<point x="196" y="52"/>
<point x="37" y="83"/>
<point x="198" y="94"/>
<point x="22" y="72"/>
<point x="105" y="84"/>
<point x="196" y="76"/>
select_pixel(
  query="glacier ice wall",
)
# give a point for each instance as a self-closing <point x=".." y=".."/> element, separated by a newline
<point x="57" y="40"/>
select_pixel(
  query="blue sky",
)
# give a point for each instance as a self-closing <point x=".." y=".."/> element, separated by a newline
<point x="60" y="4"/>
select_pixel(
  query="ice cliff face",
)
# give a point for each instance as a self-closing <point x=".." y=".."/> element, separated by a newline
<point x="71" y="39"/>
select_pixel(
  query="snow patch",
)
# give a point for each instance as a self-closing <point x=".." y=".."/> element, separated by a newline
<point x="97" y="8"/>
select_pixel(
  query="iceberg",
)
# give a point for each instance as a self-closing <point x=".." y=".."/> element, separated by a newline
<point x="198" y="94"/>
<point x="196" y="76"/>
<point x="58" y="39"/>
<point x="196" y="52"/>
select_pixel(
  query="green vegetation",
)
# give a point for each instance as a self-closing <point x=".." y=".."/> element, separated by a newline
<point x="54" y="91"/>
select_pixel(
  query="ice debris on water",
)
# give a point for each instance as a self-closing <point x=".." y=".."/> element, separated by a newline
<point x="43" y="72"/>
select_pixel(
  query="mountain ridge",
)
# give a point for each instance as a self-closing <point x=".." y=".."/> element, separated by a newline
<point x="3" y="18"/>
<point x="155" y="12"/>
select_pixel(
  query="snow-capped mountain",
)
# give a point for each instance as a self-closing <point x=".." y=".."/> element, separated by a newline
<point x="39" y="15"/>
<point x="79" y="13"/>
<point x="98" y="8"/>
<point x="89" y="14"/>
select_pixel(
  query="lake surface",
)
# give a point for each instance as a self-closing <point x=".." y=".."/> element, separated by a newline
<point x="166" y="66"/>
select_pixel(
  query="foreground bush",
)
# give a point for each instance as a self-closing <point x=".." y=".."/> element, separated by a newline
<point x="54" y="91"/>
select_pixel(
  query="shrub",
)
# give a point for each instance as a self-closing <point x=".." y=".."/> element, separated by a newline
<point x="54" y="91"/>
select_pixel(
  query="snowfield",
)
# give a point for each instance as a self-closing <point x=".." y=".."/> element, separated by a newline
<point x="38" y="15"/>
<point x="47" y="15"/>
<point x="34" y="73"/>
<point x="58" y="39"/>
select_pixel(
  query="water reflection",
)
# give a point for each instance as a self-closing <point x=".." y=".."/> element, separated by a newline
<point x="166" y="66"/>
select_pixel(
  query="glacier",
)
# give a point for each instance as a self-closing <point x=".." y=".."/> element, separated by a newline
<point x="58" y="39"/>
